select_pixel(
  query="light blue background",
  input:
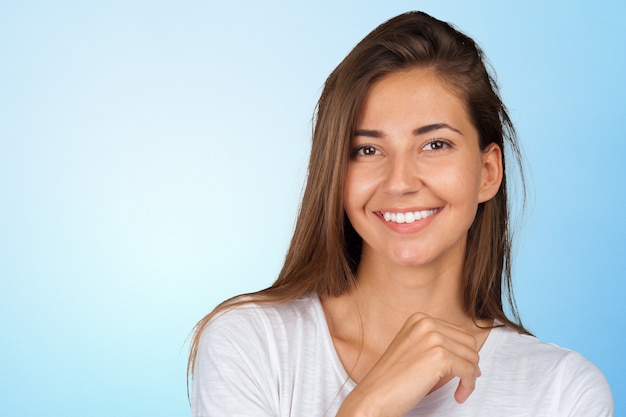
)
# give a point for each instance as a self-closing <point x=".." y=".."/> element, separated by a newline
<point x="152" y="156"/>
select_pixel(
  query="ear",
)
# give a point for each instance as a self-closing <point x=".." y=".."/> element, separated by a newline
<point x="491" y="172"/>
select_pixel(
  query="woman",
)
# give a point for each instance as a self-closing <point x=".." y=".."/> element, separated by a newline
<point x="390" y="299"/>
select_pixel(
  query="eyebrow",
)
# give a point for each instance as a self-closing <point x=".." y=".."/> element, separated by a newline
<point x="433" y="127"/>
<point x="419" y="131"/>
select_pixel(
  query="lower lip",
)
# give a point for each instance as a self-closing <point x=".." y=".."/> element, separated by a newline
<point x="416" y="226"/>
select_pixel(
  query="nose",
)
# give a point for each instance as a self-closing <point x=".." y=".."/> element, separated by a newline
<point x="402" y="176"/>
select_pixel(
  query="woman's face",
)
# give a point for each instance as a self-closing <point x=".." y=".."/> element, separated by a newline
<point x="416" y="173"/>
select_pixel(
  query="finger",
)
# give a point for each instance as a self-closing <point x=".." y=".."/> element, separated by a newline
<point x="457" y="353"/>
<point x="466" y="387"/>
<point x="419" y="325"/>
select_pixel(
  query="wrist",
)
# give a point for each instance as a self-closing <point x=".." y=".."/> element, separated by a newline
<point x="356" y="405"/>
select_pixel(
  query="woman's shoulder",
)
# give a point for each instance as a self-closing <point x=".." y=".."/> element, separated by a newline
<point x="251" y="306"/>
<point x="528" y="351"/>
<point x="525" y="347"/>
<point x="547" y="370"/>
<point x="247" y="315"/>
<point x="267" y="358"/>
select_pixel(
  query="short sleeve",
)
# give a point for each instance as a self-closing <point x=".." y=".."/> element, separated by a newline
<point x="232" y="376"/>
<point x="586" y="392"/>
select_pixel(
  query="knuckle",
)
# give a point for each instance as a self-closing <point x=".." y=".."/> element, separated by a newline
<point x="439" y="353"/>
<point x="425" y="324"/>
<point x="434" y="339"/>
<point x="471" y="341"/>
<point x="416" y="318"/>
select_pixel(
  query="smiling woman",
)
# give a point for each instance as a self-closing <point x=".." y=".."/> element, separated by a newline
<point x="391" y="298"/>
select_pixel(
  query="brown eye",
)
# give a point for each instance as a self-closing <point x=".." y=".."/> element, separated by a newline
<point x="436" y="145"/>
<point x="365" y="151"/>
<point x="369" y="150"/>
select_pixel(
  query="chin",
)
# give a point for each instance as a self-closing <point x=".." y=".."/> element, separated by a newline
<point x="410" y="259"/>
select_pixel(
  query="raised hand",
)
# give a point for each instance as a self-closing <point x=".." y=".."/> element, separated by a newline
<point x="425" y="354"/>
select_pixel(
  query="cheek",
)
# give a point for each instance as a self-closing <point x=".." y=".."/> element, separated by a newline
<point x="358" y="187"/>
<point x="460" y="182"/>
<point x="348" y="192"/>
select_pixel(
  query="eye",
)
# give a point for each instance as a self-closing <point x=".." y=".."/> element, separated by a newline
<point x="436" y="145"/>
<point x="365" y="151"/>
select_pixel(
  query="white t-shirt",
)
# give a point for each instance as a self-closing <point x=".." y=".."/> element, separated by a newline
<point x="279" y="360"/>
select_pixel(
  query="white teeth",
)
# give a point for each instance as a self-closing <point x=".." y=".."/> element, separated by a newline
<point x="409" y="217"/>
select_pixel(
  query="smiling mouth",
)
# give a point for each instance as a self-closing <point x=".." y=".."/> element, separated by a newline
<point x="409" y="217"/>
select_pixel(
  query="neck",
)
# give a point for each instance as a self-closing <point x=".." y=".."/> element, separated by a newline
<point x="397" y="293"/>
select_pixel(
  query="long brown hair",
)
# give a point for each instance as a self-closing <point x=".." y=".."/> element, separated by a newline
<point x="325" y="250"/>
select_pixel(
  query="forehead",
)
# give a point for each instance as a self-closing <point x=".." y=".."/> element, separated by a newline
<point x="414" y="95"/>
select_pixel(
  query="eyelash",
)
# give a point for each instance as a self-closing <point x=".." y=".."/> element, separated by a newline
<point x="442" y="143"/>
<point x="356" y="152"/>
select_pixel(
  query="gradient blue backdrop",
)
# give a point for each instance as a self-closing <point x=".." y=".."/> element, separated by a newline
<point x="152" y="156"/>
